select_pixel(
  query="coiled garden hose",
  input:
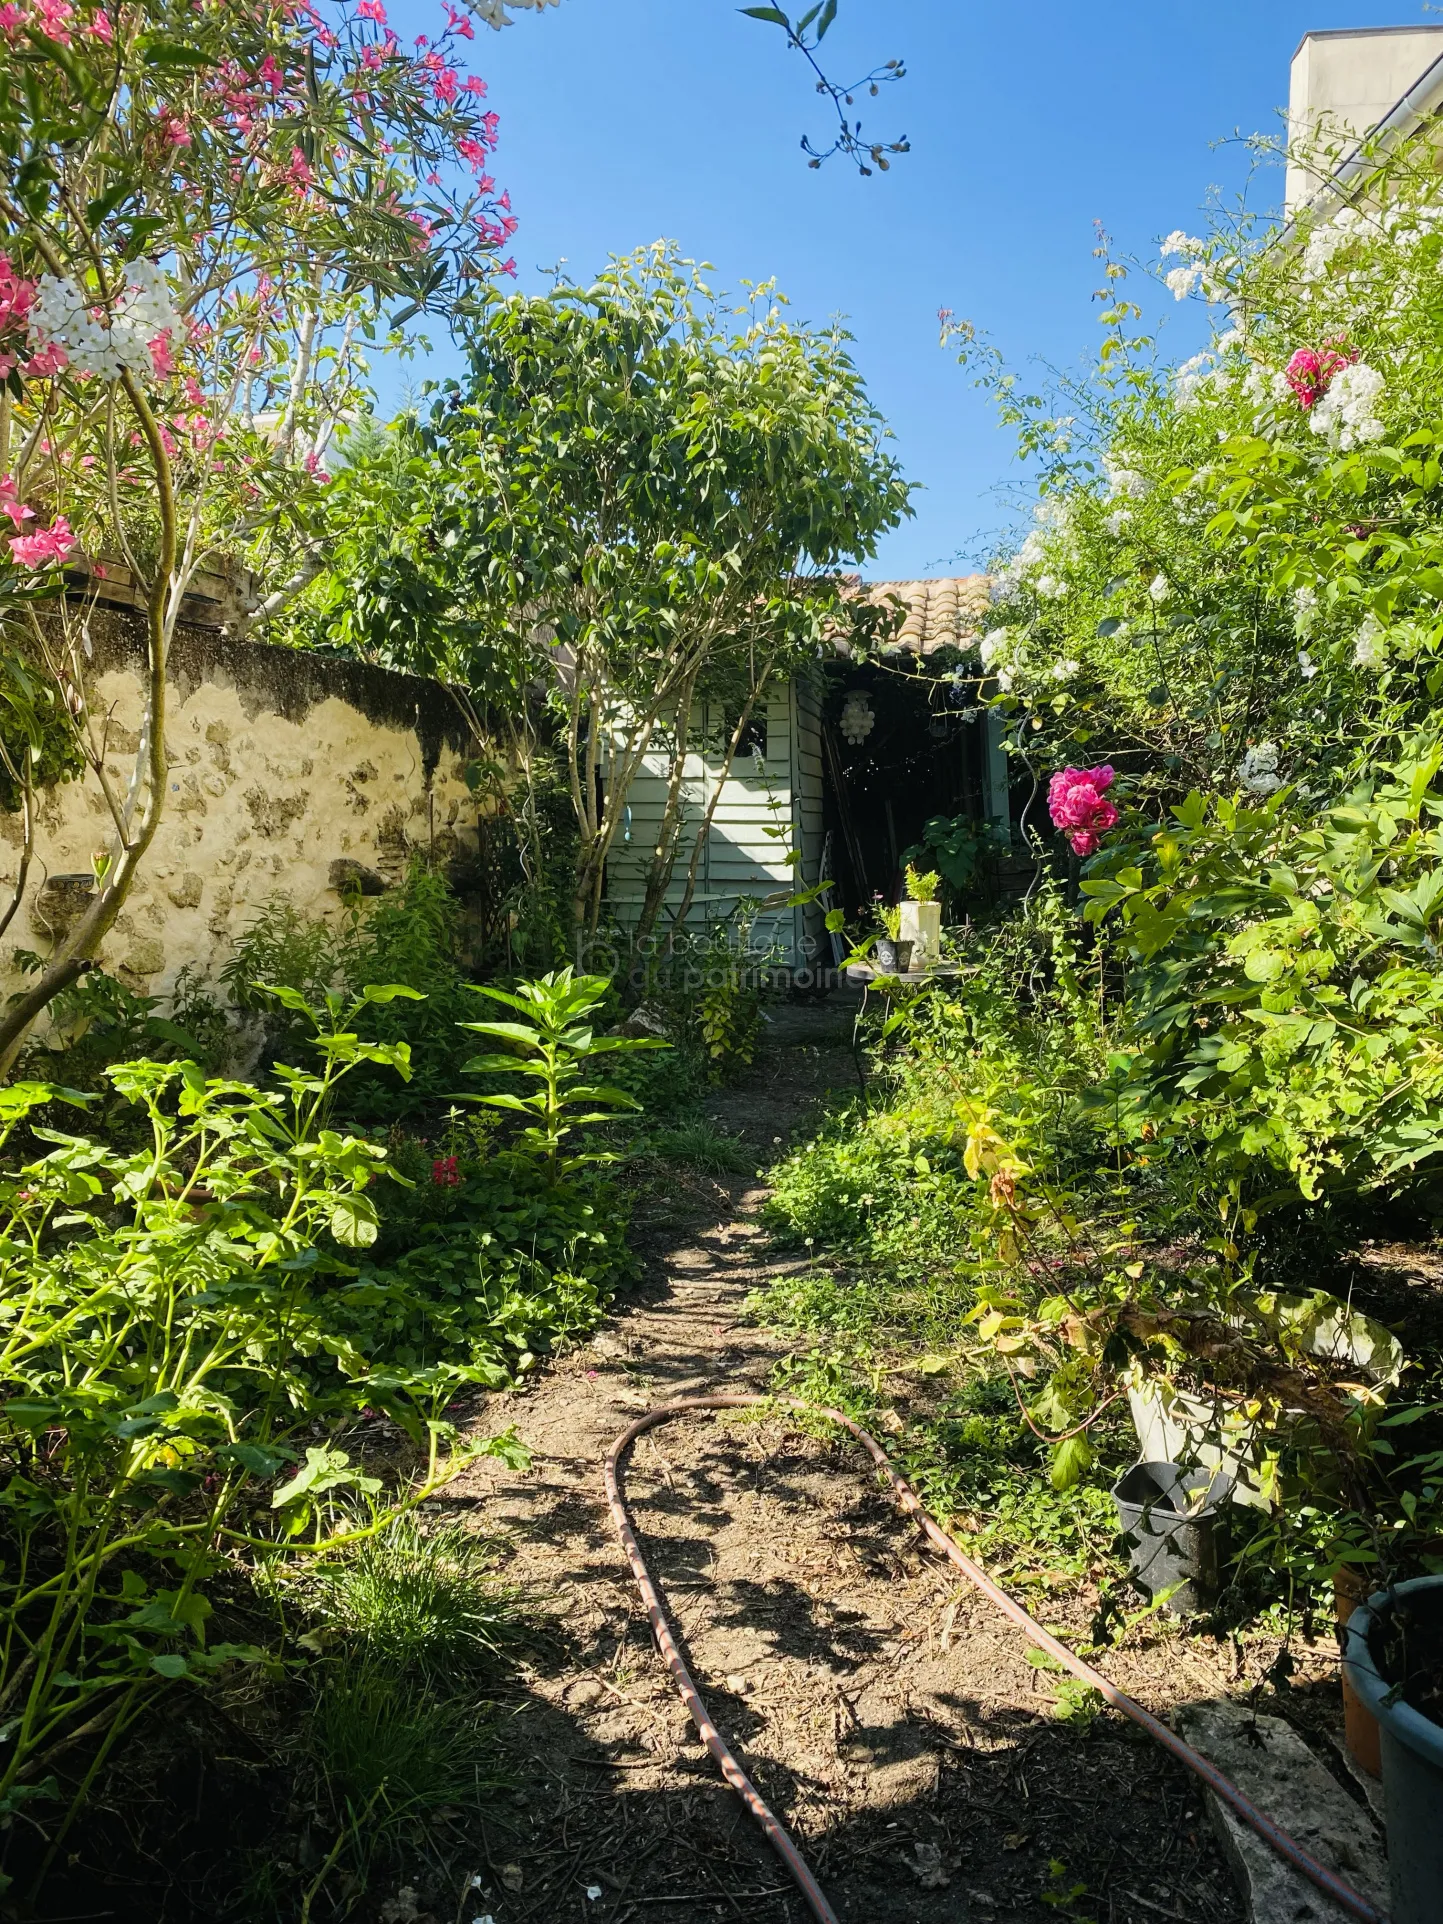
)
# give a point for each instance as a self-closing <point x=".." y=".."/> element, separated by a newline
<point x="908" y="1501"/>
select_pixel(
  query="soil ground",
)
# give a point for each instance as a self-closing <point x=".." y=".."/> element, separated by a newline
<point x="886" y="1712"/>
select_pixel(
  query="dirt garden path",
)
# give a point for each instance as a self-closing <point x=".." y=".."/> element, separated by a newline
<point x="888" y="1715"/>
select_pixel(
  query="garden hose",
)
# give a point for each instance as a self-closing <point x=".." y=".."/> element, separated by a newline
<point x="907" y="1500"/>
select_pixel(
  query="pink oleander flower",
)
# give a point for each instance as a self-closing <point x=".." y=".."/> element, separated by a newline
<point x="11" y="504"/>
<point x="53" y="18"/>
<point x="51" y="359"/>
<point x="176" y="132"/>
<point x="1079" y="806"/>
<point x="299" y="172"/>
<point x="102" y="28"/>
<point x="372" y="10"/>
<point x="17" y="297"/>
<point x="48" y="544"/>
<point x="12" y="19"/>
<point x="162" y="358"/>
<point x="1310" y="372"/>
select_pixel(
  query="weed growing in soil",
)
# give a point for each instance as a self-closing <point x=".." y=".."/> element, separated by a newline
<point x="416" y="1596"/>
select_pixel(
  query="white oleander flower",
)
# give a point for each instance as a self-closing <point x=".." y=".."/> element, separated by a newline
<point x="493" y="13"/>
<point x="102" y="345"/>
<point x="1050" y="588"/>
<point x="1065" y="670"/>
<point x="1305" y="610"/>
<point x="1159" y="588"/>
<point x="1325" y="241"/>
<point x="1307" y="667"/>
<point x="1117" y="521"/>
<point x="1187" y="381"/>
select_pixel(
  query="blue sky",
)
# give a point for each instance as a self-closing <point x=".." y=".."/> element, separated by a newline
<point x="623" y="121"/>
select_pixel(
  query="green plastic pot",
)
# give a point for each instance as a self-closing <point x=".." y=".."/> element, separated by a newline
<point x="1412" y="1756"/>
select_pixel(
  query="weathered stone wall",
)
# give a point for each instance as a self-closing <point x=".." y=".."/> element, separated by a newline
<point x="282" y="765"/>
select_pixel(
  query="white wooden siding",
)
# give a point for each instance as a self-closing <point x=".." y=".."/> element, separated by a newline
<point x="752" y="832"/>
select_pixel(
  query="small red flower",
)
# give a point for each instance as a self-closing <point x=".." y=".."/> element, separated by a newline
<point x="444" y="1173"/>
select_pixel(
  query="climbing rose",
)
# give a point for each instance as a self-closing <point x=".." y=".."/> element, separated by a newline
<point x="1078" y="806"/>
<point x="1310" y="372"/>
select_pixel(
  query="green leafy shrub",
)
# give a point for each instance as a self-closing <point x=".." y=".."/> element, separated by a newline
<point x="175" y="1338"/>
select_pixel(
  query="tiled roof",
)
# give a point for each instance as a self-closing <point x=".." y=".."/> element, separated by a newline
<point x="944" y="613"/>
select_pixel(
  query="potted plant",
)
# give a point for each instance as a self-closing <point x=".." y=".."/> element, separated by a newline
<point x="892" y="953"/>
<point x="921" y="917"/>
<point x="1393" y="1656"/>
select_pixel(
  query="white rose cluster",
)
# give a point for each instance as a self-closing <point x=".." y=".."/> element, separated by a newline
<point x="1324" y="242"/>
<point x="1369" y="649"/>
<point x="1259" y="771"/>
<point x="1347" y="413"/>
<point x="94" y="344"/>
<point x="1125" y="482"/>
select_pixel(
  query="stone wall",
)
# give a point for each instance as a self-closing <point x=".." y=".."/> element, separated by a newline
<point x="290" y="773"/>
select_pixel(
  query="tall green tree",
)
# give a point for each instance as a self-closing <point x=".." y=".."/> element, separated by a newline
<point x="643" y="500"/>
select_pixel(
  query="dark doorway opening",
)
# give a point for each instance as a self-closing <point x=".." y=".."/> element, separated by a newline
<point x="901" y="748"/>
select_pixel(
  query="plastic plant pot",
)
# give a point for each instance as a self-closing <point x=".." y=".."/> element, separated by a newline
<point x="886" y="953"/>
<point x="1376" y="1643"/>
<point x="922" y="926"/>
<point x="904" y="956"/>
<point x="1168" y="1515"/>
<point x="1360" y="1726"/>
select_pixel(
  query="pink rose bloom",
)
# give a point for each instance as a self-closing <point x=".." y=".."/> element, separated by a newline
<point x="1310" y="372"/>
<point x="1078" y="805"/>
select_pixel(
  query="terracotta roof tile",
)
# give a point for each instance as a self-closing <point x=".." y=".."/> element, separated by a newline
<point x="947" y="612"/>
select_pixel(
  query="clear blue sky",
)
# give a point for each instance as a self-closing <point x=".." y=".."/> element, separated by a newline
<point x="623" y="121"/>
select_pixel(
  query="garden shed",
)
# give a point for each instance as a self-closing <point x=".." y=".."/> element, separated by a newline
<point x="842" y="771"/>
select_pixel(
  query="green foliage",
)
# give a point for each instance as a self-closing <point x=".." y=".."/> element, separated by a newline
<point x="416" y="1597"/>
<point x="410" y="935"/>
<point x="141" y="1288"/>
<point x="1284" y="995"/>
<point x="389" y="1750"/>
<point x="922" y="885"/>
<point x="960" y="846"/>
<point x="100" y="1021"/>
<point x="197" y="1331"/>
<point x="553" y="1045"/>
<point x="664" y="492"/>
<point x="702" y="1146"/>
